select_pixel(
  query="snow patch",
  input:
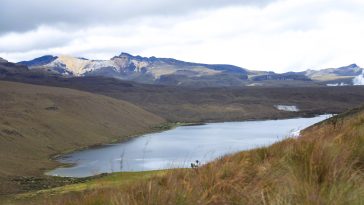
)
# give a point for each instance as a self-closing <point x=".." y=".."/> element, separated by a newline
<point x="359" y="80"/>
<point x="254" y="84"/>
<point x="288" y="108"/>
<point x="336" y="84"/>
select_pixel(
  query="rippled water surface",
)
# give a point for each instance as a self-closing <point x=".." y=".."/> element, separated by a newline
<point x="181" y="146"/>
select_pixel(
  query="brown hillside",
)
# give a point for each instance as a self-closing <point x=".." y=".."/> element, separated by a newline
<point x="38" y="121"/>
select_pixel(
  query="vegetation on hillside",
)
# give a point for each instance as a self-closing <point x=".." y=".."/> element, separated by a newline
<point x="191" y="104"/>
<point x="37" y="122"/>
<point x="323" y="166"/>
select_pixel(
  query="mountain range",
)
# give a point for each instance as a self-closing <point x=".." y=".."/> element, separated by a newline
<point x="55" y="104"/>
<point x="169" y="71"/>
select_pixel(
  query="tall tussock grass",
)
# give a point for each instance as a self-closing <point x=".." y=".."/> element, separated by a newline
<point x="325" y="165"/>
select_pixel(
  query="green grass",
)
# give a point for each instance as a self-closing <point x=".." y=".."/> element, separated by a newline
<point x="114" y="180"/>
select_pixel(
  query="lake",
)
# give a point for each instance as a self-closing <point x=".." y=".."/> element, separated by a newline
<point x="181" y="146"/>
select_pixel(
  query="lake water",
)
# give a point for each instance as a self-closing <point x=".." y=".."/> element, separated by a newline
<point x="180" y="146"/>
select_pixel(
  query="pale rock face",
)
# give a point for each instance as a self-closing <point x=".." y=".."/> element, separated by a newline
<point x="74" y="65"/>
<point x="121" y="62"/>
<point x="139" y="65"/>
<point x="140" y="69"/>
<point x="79" y="66"/>
<point x="97" y="64"/>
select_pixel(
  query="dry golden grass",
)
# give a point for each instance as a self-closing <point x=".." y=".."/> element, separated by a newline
<point x="39" y="121"/>
<point x="323" y="166"/>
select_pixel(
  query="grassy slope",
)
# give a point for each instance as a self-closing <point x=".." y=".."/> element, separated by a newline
<point x="39" y="121"/>
<point x="188" y="104"/>
<point x="111" y="181"/>
<point x="323" y="166"/>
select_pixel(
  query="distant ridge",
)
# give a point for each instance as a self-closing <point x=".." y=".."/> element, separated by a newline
<point x="169" y="71"/>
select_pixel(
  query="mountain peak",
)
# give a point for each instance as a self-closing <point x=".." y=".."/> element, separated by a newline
<point x="39" y="61"/>
<point x="137" y="57"/>
<point x="122" y="54"/>
<point x="171" y="71"/>
<point x="353" y="66"/>
<point x="2" y="60"/>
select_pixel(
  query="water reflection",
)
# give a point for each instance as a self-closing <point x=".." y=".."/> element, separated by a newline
<point x="181" y="146"/>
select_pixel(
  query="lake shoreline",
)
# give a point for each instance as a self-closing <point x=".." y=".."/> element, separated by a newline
<point x="162" y="128"/>
<point x="172" y="125"/>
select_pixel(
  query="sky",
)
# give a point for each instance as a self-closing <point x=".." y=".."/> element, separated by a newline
<point x="277" y="35"/>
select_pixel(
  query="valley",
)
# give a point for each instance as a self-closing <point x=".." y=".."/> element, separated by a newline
<point x="324" y="164"/>
<point x="38" y="122"/>
<point x="207" y="104"/>
<point x="45" y="114"/>
<point x="181" y="102"/>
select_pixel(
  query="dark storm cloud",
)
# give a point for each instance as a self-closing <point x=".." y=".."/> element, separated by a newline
<point x="23" y="15"/>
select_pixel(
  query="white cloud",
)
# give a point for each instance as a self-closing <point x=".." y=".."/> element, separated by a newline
<point x="284" y="35"/>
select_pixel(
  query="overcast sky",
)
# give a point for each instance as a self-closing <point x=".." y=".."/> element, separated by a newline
<point x="277" y="35"/>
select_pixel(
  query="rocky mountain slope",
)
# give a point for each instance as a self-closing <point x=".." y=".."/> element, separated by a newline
<point x="334" y="73"/>
<point x="170" y="71"/>
<point x="3" y="60"/>
<point x="140" y="69"/>
<point x="8" y="68"/>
